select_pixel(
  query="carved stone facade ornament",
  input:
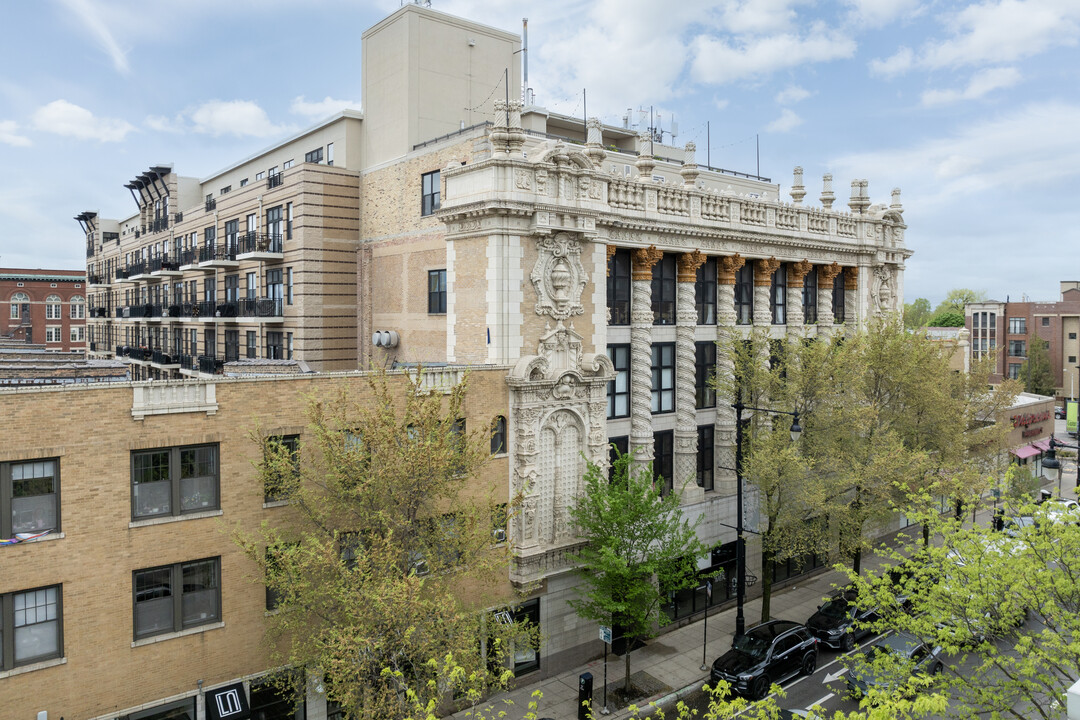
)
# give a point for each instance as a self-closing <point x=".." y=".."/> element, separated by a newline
<point x="558" y="276"/>
<point x="763" y="271"/>
<point x="644" y="259"/>
<point x="688" y="264"/>
<point x="558" y="416"/>
<point x="797" y="272"/>
<point x="729" y="266"/>
<point x="826" y="273"/>
<point x="883" y="291"/>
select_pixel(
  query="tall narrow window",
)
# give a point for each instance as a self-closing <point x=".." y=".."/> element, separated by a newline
<point x="778" y="296"/>
<point x="705" y="456"/>
<point x="273" y="229"/>
<point x="52" y="307"/>
<point x="839" y="307"/>
<point x="744" y="295"/>
<point x="430" y="192"/>
<point x="232" y="345"/>
<point x="498" y="436"/>
<point x="78" y="307"/>
<point x="251" y="344"/>
<point x="705" y="293"/>
<point x="618" y="288"/>
<point x="436" y="291"/>
<point x="663" y="377"/>
<point x="330" y="153"/>
<point x="809" y="297"/>
<point x="705" y="365"/>
<point x="618" y="389"/>
<point x="663" y="290"/>
<point x="274" y="345"/>
<point x="664" y="460"/>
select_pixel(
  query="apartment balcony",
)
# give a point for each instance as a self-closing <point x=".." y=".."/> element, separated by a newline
<point x="253" y="246"/>
<point x="99" y="312"/>
<point x="122" y="275"/>
<point x="90" y="249"/>
<point x="211" y="205"/>
<point x="218" y="256"/>
<point x="97" y="281"/>
<point x="275" y="180"/>
<point x="261" y="309"/>
<point x="138" y="272"/>
<point x="162" y="268"/>
<point x="188" y="260"/>
<point x="164" y="361"/>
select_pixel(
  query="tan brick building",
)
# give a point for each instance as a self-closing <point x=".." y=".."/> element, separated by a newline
<point x="588" y="267"/>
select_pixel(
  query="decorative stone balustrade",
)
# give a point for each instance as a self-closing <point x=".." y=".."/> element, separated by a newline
<point x="154" y="398"/>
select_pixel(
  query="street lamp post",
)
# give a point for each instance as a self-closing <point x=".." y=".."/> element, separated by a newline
<point x="1053" y="465"/>
<point x="740" y="543"/>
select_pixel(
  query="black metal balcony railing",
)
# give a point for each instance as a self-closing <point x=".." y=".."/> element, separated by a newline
<point x="260" y="307"/>
<point x="252" y="242"/>
<point x="121" y="273"/>
<point x="178" y="218"/>
<point x="137" y="268"/>
<point x="90" y="249"/>
<point x="160" y="358"/>
<point x="211" y="204"/>
<point x="95" y="280"/>
<point x="98" y="312"/>
<point x="119" y="351"/>
<point x="217" y="252"/>
<point x="93" y="347"/>
<point x="159" y="224"/>
<point x="187" y="362"/>
<point x="211" y="365"/>
<point x="207" y="308"/>
<point x="274" y="180"/>
<point x="187" y="257"/>
<point x="226" y="309"/>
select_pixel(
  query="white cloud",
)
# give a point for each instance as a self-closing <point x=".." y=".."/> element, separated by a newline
<point x="791" y="95"/>
<point x="241" y="118"/>
<point x="878" y="13"/>
<point x="982" y="83"/>
<point x="897" y="64"/>
<point x="97" y="27"/>
<point x="718" y="61"/>
<point x="9" y="134"/>
<point x="164" y="124"/>
<point x="787" y="122"/>
<point x="758" y="16"/>
<point x="64" y="118"/>
<point x="1033" y="146"/>
<point x="321" y="108"/>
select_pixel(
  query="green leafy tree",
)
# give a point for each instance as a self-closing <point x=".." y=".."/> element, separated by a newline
<point x="637" y="548"/>
<point x="1035" y="373"/>
<point x="957" y="298"/>
<point x="1004" y="607"/>
<point x="917" y="313"/>
<point x="947" y="319"/>
<point x="385" y="558"/>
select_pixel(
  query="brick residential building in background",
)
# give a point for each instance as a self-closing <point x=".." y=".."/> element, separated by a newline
<point x="44" y="307"/>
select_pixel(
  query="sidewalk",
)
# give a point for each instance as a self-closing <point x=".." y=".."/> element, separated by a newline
<point x="674" y="658"/>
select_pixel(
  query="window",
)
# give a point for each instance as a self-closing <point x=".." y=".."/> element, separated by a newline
<point x="430" y="192"/>
<point x="705" y="293"/>
<point x="29" y="497"/>
<point x="30" y="626"/>
<point x="78" y="307"/>
<point x="244" y="182"/>
<point x="1018" y="326"/>
<point x="52" y="334"/>
<point x="288" y="221"/>
<point x="663" y="290"/>
<point x="174" y="481"/>
<point x="744" y="295"/>
<point x="232" y="345"/>
<point x="225" y="190"/>
<point x="261" y="175"/>
<point x="252" y="285"/>
<point x="288" y="286"/>
<point x="273" y="228"/>
<point x="1046" y="322"/>
<point x="618" y="390"/>
<point x="1014" y="370"/>
<point x="809" y="297"/>
<point x="705" y="364"/>
<point x="78" y="334"/>
<point x="663" y="460"/>
<point x="1072" y="358"/>
<point x="52" y="307"/>
<point x="705" y="456"/>
<point x="252" y="343"/>
<point x="778" y="296"/>
<point x="436" y="292"/>
<point x="232" y="288"/>
<point x="839" y="307"/>
<point x="527" y="657"/>
<point x="498" y="436"/>
<point x="288" y="346"/>
<point x="286" y="165"/>
<point x="210" y="342"/>
<point x="278" y="478"/>
<point x="18" y="301"/>
<point x="1017" y="348"/>
<point x="618" y="288"/>
<point x="315" y="156"/>
<point x="274" y="556"/>
<point x="330" y="153"/>
<point x="1072" y="336"/>
<point x="275" y="346"/>
<point x="663" y="377"/>
<point x="176" y="597"/>
<point x="619" y="445"/>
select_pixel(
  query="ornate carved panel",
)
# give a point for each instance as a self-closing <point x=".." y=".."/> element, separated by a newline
<point x="558" y="276"/>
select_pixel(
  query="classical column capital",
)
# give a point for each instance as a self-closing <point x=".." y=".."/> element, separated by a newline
<point x="798" y="271"/>
<point x="688" y="265"/>
<point x="644" y="259"/>
<point x="826" y="273"/>
<point x="729" y="265"/>
<point x="610" y="254"/>
<point x="851" y="278"/>
<point x="763" y="271"/>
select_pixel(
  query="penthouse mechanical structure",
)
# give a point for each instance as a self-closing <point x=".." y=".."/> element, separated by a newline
<point x="585" y="268"/>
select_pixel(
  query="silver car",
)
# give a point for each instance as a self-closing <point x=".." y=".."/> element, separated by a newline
<point x="891" y="661"/>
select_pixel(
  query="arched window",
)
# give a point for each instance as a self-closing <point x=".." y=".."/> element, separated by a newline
<point x="52" y="307"/>
<point x="17" y="301"/>
<point x="78" y="307"/>
<point x="498" y="436"/>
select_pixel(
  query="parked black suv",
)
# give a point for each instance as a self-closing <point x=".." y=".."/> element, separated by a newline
<point x="842" y="620"/>
<point x="768" y="653"/>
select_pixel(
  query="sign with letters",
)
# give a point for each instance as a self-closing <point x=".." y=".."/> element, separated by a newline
<point x="227" y="703"/>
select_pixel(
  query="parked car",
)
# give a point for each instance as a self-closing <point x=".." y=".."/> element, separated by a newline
<point x="913" y="577"/>
<point x="768" y="653"/>
<point x="841" y="620"/>
<point x="1059" y="412"/>
<point x="890" y="662"/>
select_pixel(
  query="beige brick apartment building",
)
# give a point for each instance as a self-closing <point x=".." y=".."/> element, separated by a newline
<point x="585" y="270"/>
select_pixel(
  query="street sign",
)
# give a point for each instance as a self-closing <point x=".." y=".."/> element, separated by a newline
<point x="605" y="634"/>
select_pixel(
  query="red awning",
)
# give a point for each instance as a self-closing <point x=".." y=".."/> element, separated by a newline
<point x="1043" y="444"/>
<point x="1025" y="451"/>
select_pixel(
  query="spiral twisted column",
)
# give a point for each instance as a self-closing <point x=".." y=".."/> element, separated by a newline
<point x="826" y="277"/>
<point x="763" y="272"/>
<point x="724" y="429"/>
<point x="641" y="322"/>
<point x="685" y="480"/>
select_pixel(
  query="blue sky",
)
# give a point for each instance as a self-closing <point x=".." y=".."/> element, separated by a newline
<point x="971" y="108"/>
